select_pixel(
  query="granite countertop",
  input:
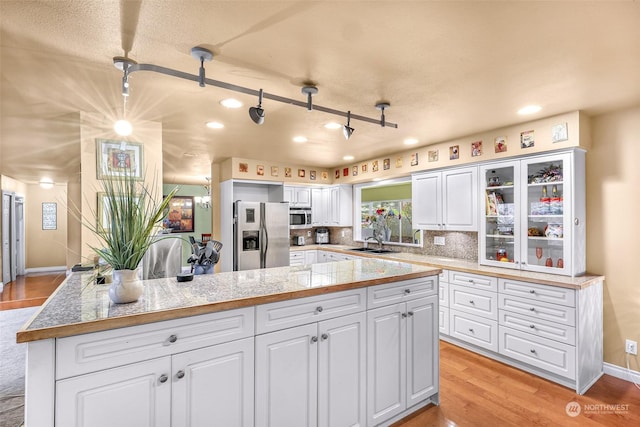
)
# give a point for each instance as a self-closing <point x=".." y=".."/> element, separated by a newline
<point x="80" y="305"/>
<point x="578" y="282"/>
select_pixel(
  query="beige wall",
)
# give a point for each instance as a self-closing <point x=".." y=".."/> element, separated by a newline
<point x="613" y="225"/>
<point x="94" y="126"/>
<point x="45" y="248"/>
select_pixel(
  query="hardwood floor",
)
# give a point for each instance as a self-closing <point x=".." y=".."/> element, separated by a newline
<point x="477" y="391"/>
<point x="474" y="390"/>
<point x="29" y="291"/>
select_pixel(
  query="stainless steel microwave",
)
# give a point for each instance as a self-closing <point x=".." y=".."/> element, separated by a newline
<point x="300" y="218"/>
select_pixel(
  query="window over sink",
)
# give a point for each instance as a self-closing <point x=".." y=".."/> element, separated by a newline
<point x="384" y="210"/>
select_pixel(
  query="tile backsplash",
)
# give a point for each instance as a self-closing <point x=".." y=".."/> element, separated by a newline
<point x="461" y="245"/>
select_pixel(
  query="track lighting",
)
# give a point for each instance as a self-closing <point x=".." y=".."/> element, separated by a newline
<point x="346" y="129"/>
<point x="202" y="54"/>
<point x="257" y="113"/>
<point x="309" y="91"/>
<point x="382" y="106"/>
<point x="122" y="127"/>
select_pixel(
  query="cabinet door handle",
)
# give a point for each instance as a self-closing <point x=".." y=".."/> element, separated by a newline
<point x="319" y="309"/>
<point x="532" y="291"/>
<point x="471" y="330"/>
<point x="314" y="339"/>
<point x="173" y="338"/>
<point x="532" y="309"/>
<point x="404" y="315"/>
<point x="324" y="336"/>
<point x="533" y="350"/>
<point x="180" y="374"/>
<point x="410" y="313"/>
<point x="163" y="378"/>
<point x="407" y="291"/>
<point x="532" y="326"/>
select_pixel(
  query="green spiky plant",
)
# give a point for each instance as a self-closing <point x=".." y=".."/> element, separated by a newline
<point x="132" y="217"/>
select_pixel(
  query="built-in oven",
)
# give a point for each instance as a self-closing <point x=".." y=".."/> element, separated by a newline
<point x="300" y="218"/>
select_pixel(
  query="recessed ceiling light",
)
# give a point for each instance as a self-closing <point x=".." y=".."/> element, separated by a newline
<point x="231" y="103"/>
<point x="215" y="125"/>
<point x="333" y="125"/>
<point x="410" y="141"/>
<point x="529" y="109"/>
<point x="300" y="139"/>
<point x="189" y="154"/>
<point x="348" y="158"/>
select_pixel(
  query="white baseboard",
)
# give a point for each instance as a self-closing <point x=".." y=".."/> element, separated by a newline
<point x="621" y="372"/>
<point x="52" y="269"/>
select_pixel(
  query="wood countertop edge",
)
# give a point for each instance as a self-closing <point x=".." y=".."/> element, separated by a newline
<point x="27" y="335"/>
<point x="589" y="279"/>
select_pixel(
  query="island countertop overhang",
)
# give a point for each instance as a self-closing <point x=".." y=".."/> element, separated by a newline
<point x="81" y="306"/>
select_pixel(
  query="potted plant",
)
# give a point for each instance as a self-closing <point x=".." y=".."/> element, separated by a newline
<point x="129" y="219"/>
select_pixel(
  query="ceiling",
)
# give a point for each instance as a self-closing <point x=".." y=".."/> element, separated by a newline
<point x="447" y="68"/>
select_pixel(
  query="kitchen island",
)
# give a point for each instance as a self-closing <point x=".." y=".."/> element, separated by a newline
<point x="345" y="343"/>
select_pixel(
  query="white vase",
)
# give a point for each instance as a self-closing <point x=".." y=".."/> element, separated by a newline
<point x="387" y="234"/>
<point x="125" y="287"/>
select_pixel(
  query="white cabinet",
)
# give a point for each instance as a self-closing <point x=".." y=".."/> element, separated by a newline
<point x="328" y="256"/>
<point x="184" y="372"/>
<point x="298" y="197"/>
<point x="446" y="200"/>
<point x="312" y="375"/>
<point x="310" y="257"/>
<point x="332" y="206"/>
<point x="296" y="258"/>
<point x="135" y="395"/>
<point x="402" y="351"/>
<point x="550" y="331"/>
<point x="533" y="214"/>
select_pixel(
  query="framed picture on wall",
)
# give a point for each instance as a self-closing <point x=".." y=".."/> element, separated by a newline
<point x="118" y="158"/>
<point x="180" y="218"/>
<point x="49" y="216"/>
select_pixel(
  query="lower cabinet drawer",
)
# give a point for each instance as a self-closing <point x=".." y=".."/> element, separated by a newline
<point x="540" y="352"/>
<point x="393" y="293"/>
<point x="286" y="314"/>
<point x="551" y="330"/>
<point x="444" y="320"/>
<point x="473" y="301"/>
<point x="540" y="310"/>
<point x="473" y="329"/>
<point x="80" y="354"/>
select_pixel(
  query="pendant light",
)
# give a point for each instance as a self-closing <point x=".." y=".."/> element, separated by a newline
<point x="122" y="127"/>
<point x="346" y="129"/>
<point x="257" y="113"/>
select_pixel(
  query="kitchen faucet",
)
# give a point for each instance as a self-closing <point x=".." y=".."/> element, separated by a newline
<point x="366" y="242"/>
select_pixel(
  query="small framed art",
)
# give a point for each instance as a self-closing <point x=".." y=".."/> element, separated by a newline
<point x="119" y="159"/>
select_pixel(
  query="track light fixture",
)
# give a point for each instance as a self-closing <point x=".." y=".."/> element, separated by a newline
<point x="382" y="106"/>
<point x="202" y="54"/>
<point x="309" y="91"/>
<point x="346" y="129"/>
<point x="257" y="113"/>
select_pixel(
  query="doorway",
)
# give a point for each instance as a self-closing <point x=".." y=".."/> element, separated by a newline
<point x="13" y="247"/>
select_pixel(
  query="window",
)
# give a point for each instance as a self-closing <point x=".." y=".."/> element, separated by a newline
<point x="385" y="208"/>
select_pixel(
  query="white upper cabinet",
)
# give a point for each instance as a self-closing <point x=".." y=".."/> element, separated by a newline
<point x="298" y="197"/>
<point x="332" y="206"/>
<point x="446" y="200"/>
<point x="533" y="214"/>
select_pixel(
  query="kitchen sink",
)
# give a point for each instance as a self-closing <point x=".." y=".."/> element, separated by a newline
<point x="372" y="250"/>
<point x="362" y="249"/>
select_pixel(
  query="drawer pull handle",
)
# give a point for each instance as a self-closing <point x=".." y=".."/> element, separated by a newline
<point x="533" y="350"/>
<point x="471" y="302"/>
<point x="532" y="309"/>
<point x="173" y="338"/>
<point x="324" y="336"/>
<point x="471" y="330"/>
<point x="532" y="326"/>
<point x="407" y="291"/>
<point x="404" y="315"/>
<point x="163" y="378"/>
<point x="319" y="309"/>
<point x="410" y="313"/>
<point x="180" y="374"/>
<point x="314" y="339"/>
<point x="532" y="291"/>
<point x="470" y="280"/>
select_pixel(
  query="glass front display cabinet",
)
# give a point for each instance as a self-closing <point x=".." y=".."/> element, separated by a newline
<point x="533" y="215"/>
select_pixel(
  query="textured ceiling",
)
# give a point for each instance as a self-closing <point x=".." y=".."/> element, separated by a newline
<point x="448" y="69"/>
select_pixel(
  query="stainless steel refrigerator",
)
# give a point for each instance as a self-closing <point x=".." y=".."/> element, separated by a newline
<point x="260" y="235"/>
